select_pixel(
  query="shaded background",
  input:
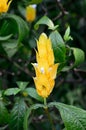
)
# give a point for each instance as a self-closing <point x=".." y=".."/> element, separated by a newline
<point x="70" y="86"/>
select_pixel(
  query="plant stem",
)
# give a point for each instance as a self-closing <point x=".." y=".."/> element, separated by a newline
<point x="45" y="102"/>
<point x="48" y="114"/>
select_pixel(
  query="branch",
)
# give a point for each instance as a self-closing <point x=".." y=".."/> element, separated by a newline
<point x="62" y="11"/>
<point x="25" y="69"/>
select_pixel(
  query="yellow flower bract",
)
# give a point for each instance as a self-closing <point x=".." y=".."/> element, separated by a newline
<point x="45" y="68"/>
<point x="4" y="5"/>
<point x="30" y="13"/>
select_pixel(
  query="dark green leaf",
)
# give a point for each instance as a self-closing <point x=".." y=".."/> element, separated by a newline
<point x="17" y="115"/>
<point x="21" y="26"/>
<point x="58" y="47"/>
<point x="3" y="28"/>
<point x="35" y="1"/>
<point x="74" y="118"/>
<point x="27" y="114"/>
<point x="33" y="93"/>
<point x="12" y="91"/>
<point x="4" y="115"/>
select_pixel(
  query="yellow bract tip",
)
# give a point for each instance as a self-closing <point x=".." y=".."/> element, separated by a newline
<point x="4" y="5"/>
<point x="45" y="68"/>
<point x="30" y="13"/>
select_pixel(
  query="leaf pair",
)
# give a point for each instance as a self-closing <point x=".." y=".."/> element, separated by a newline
<point x="74" y="118"/>
<point x="29" y="91"/>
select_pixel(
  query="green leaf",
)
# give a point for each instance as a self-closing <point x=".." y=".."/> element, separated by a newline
<point x="35" y="1"/>
<point x="3" y="27"/>
<point x="79" y="56"/>
<point x="0" y="94"/>
<point x="27" y="114"/>
<point x="10" y="47"/>
<point x="46" y="21"/>
<point x="66" y="68"/>
<point x="74" y="118"/>
<point x="17" y="115"/>
<point x="20" y="25"/>
<point x="67" y="36"/>
<point x="22" y="85"/>
<point x="4" y="38"/>
<point x="33" y="93"/>
<point x="11" y="91"/>
<point x="67" y="32"/>
<point x="4" y="115"/>
<point x="58" y="47"/>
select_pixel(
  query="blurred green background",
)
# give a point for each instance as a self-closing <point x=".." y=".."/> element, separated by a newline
<point x="70" y="87"/>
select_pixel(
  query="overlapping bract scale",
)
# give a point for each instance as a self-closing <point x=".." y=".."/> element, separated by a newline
<point x="45" y="68"/>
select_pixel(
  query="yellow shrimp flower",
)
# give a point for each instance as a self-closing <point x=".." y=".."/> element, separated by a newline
<point x="4" y="5"/>
<point x="45" y="68"/>
<point x="30" y="13"/>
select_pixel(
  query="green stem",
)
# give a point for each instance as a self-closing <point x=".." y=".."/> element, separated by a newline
<point x="45" y="102"/>
<point x="48" y="114"/>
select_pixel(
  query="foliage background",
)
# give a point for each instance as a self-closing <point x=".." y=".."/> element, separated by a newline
<point x="70" y="86"/>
